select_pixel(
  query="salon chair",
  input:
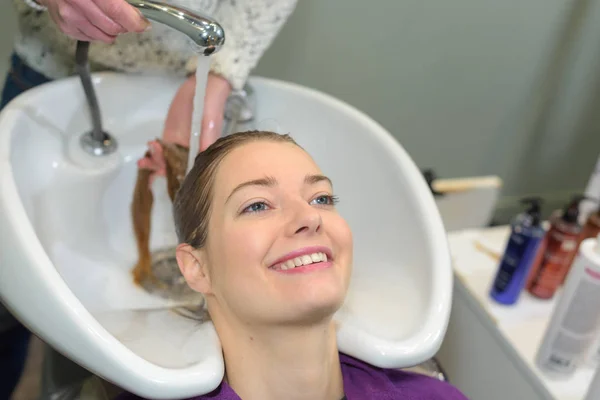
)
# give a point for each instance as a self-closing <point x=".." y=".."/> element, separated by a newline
<point x="67" y="245"/>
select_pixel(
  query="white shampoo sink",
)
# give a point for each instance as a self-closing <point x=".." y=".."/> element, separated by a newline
<point x="67" y="244"/>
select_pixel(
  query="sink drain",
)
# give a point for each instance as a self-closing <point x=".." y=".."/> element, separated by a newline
<point x="170" y="284"/>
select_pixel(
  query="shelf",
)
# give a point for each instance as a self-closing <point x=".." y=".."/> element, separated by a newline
<point x="476" y="255"/>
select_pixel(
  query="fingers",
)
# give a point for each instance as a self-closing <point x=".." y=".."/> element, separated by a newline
<point x="79" y="35"/>
<point x="96" y="19"/>
<point x="154" y="159"/>
<point x="123" y="14"/>
<point x="66" y="17"/>
<point x="94" y="33"/>
<point x="158" y="157"/>
<point x="146" y="163"/>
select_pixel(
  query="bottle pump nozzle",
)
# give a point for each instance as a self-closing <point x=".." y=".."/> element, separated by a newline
<point x="534" y="208"/>
<point x="571" y="211"/>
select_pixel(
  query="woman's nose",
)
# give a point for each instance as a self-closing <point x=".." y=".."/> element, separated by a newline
<point x="304" y="220"/>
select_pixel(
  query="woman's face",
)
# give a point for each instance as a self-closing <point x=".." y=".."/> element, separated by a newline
<point x="277" y="250"/>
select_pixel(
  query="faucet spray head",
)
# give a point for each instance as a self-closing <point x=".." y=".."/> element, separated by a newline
<point x="206" y="33"/>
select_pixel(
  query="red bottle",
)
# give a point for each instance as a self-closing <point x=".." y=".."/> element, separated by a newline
<point x="560" y="248"/>
<point x="591" y="229"/>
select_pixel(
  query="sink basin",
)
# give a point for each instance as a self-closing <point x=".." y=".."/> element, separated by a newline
<point x="67" y="244"/>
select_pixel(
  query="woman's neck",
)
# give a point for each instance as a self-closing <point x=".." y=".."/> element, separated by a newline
<point x="285" y="363"/>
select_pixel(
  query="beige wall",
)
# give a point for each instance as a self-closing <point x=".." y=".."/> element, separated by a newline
<point x="468" y="87"/>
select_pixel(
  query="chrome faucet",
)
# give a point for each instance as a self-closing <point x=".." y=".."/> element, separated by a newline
<point x="203" y="30"/>
<point x="206" y="33"/>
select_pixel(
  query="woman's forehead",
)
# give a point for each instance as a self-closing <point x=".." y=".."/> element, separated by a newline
<point x="282" y="161"/>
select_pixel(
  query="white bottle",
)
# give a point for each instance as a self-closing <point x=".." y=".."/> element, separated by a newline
<point x="591" y="192"/>
<point x="574" y="325"/>
<point x="593" y="356"/>
<point x="593" y="392"/>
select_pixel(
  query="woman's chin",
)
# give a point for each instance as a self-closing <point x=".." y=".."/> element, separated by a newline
<point x="316" y="308"/>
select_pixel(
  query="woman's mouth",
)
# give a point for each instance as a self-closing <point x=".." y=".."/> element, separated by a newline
<point x="304" y="260"/>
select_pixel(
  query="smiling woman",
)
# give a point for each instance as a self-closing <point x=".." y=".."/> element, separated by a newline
<point x="262" y="241"/>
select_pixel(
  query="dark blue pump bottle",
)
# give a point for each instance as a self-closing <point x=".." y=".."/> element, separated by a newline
<point x="526" y="236"/>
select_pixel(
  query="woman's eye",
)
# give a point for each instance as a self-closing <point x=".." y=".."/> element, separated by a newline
<point x="256" y="207"/>
<point x="325" y="200"/>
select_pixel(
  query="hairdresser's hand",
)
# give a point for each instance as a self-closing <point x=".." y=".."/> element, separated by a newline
<point x="91" y="20"/>
<point x="179" y="120"/>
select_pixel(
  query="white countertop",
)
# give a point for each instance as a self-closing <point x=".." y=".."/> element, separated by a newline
<point x="476" y="257"/>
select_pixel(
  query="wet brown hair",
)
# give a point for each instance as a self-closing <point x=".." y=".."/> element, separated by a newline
<point x="191" y="207"/>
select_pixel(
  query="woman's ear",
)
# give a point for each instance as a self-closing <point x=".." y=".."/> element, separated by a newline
<point x="193" y="266"/>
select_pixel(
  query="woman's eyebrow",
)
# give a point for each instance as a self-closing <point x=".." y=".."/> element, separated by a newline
<point x="312" y="179"/>
<point x="268" y="182"/>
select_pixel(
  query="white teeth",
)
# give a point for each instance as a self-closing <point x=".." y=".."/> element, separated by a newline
<point x="303" y="260"/>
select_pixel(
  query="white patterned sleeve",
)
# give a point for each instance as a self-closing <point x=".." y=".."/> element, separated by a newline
<point x="250" y="28"/>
